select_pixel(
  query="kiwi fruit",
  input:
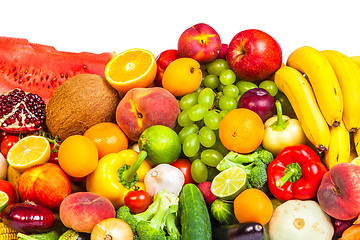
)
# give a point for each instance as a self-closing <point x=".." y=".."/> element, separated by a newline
<point x="79" y="103"/>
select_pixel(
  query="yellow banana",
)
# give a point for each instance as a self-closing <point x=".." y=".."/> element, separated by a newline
<point x="353" y="153"/>
<point x="339" y="146"/>
<point x="301" y="97"/>
<point x="322" y="78"/>
<point x="357" y="142"/>
<point x="356" y="59"/>
<point x="348" y="75"/>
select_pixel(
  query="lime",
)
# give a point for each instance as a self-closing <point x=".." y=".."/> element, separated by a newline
<point x="161" y="143"/>
<point x="4" y="200"/>
<point x="229" y="183"/>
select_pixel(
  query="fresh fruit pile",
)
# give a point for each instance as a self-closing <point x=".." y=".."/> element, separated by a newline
<point x="211" y="140"/>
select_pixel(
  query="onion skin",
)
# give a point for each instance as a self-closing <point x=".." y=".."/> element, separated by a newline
<point x="112" y="228"/>
<point x="28" y="217"/>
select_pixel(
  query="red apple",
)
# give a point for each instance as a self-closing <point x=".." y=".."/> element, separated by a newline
<point x="163" y="60"/>
<point x="46" y="184"/>
<point x="254" y="55"/>
<point x="200" y="42"/>
<point x="223" y="51"/>
<point x="339" y="191"/>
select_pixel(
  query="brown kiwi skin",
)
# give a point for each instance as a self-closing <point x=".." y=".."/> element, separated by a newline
<point x="79" y="103"/>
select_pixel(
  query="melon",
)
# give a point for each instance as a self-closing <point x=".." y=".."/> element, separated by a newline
<point x="40" y="69"/>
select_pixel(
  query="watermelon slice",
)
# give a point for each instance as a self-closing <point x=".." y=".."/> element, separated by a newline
<point x="41" y="69"/>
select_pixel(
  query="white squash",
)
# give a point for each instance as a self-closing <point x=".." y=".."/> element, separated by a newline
<point x="300" y="220"/>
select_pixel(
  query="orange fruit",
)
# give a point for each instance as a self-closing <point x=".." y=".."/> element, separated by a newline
<point x="253" y="205"/>
<point x="352" y="232"/>
<point x="108" y="138"/>
<point x="78" y="156"/>
<point x="132" y="68"/>
<point x="241" y="130"/>
<point x="182" y="76"/>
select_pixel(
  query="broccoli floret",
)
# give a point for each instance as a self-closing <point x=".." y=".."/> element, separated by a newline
<point x="160" y="216"/>
<point x="157" y="222"/>
<point x="146" y="231"/>
<point x="254" y="164"/>
<point x="258" y="177"/>
<point x="265" y="156"/>
<point x="171" y="228"/>
<point x="124" y="214"/>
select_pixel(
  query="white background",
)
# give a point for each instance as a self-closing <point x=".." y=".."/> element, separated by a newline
<point x="99" y="26"/>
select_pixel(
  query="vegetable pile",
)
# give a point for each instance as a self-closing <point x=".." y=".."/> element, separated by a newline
<point x="211" y="140"/>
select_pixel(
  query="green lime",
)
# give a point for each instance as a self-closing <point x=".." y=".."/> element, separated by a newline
<point x="229" y="183"/>
<point x="4" y="200"/>
<point x="161" y="143"/>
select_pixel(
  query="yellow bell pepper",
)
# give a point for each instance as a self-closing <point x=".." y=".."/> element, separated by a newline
<point x="281" y="132"/>
<point x="105" y="182"/>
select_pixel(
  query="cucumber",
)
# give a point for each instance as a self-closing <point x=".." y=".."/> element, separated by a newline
<point x="194" y="215"/>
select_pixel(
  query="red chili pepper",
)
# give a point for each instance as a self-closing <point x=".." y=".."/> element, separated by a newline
<point x="295" y="173"/>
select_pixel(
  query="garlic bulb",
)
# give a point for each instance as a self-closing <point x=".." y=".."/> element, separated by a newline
<point x="164" y="176"/>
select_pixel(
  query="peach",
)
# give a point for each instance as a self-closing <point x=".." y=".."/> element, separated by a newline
<point x="81" y="211"/>
<point x="339" y="191"/>
<point x="200" y="42"/>
<point x="141" y="108"/>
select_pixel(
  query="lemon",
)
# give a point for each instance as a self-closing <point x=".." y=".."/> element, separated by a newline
<point x="4" y="200"/>
<point x="161" y="143"/>
<point x="229" y="183"/>
<point x="28" y="152"/>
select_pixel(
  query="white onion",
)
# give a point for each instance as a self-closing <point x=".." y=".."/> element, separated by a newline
<point x="164" y="176"/>
<point x="111" y="228"/>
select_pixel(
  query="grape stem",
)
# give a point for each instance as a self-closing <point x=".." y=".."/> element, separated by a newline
<point x="217" y="97"/>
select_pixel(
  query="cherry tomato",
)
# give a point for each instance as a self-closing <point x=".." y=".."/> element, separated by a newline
<point x="137" y="201"/>
<point x="7" y="143"/>
<point x="10" y="190"/>
<point x="4" y="135"/>
<point x="184" y="166"/>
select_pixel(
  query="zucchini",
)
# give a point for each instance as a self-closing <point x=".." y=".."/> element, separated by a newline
<point x="194" y="215"/>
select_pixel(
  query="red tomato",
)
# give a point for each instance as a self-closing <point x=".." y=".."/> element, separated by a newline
<point x="184" y="166"/>
<point x="10" y="190"/>
<point x="7" y="143"/>
<point x="137" y="201"/>
<point x="4" y="135"/>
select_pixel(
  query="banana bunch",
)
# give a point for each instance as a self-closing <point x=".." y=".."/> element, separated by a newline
<point x="323" y="88"/>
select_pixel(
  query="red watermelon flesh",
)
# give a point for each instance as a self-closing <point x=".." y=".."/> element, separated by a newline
<point x="41" y="69"/>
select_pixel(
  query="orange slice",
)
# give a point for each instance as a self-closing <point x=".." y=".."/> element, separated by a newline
<point x="132" y="68"/>
<point x="28" y="152"/>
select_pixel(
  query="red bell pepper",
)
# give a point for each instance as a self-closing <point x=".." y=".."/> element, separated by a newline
<point x="295" y="173"/>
